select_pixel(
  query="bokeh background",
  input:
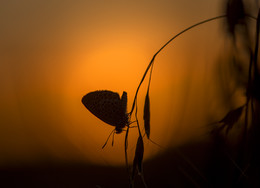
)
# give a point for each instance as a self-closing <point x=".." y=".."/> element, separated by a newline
<point x="54" y="52"/>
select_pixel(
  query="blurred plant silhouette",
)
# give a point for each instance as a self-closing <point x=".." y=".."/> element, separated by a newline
<point x="244" y="68"/>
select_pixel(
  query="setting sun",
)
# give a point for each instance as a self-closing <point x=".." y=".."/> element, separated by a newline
<point x="54" y="53"/>
<point x="107" y="53"/>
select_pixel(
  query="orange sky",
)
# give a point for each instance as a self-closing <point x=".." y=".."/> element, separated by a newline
<point x="53" y="53"/>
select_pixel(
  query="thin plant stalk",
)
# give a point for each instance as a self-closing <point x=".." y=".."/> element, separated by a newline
<point x="126" y="158"/>
<point x="151" y="62"/>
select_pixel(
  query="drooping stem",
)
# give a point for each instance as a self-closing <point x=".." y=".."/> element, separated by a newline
<point x="257" y="40"/>
<point x="150" y="77"/>
<point x="151" y="62"/>
<point x="253" y="59"/>
<point x="126" y="158"/>
<point x="137" y="122"/>
<point x="249" y="85"/>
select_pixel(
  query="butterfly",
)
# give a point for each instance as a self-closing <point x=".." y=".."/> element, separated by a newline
<point x="108" y="107"/>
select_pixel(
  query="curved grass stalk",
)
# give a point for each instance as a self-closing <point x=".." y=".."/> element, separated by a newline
<point x="152" y="61"/>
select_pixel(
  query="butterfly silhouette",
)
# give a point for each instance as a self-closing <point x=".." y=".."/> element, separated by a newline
<point x="108" y="107"/>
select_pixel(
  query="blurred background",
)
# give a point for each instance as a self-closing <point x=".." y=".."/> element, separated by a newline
<point x="54" y="52"/>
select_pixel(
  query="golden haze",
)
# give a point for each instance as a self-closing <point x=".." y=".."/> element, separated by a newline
<point x="47" y="66"/>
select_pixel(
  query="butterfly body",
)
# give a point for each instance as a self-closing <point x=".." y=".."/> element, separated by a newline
<point x="108" y="107"/>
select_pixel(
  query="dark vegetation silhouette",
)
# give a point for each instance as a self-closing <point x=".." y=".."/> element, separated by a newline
<point x="243" y="166"/>
<point x="242" y="160"/>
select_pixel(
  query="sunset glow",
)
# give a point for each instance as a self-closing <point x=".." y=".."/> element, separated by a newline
<point x="48" y="66"/>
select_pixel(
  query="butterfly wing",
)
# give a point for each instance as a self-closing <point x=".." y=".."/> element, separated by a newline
<point x="107" y="106"/>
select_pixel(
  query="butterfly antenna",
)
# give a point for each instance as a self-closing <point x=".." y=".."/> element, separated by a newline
<point x="108" y="139"/>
